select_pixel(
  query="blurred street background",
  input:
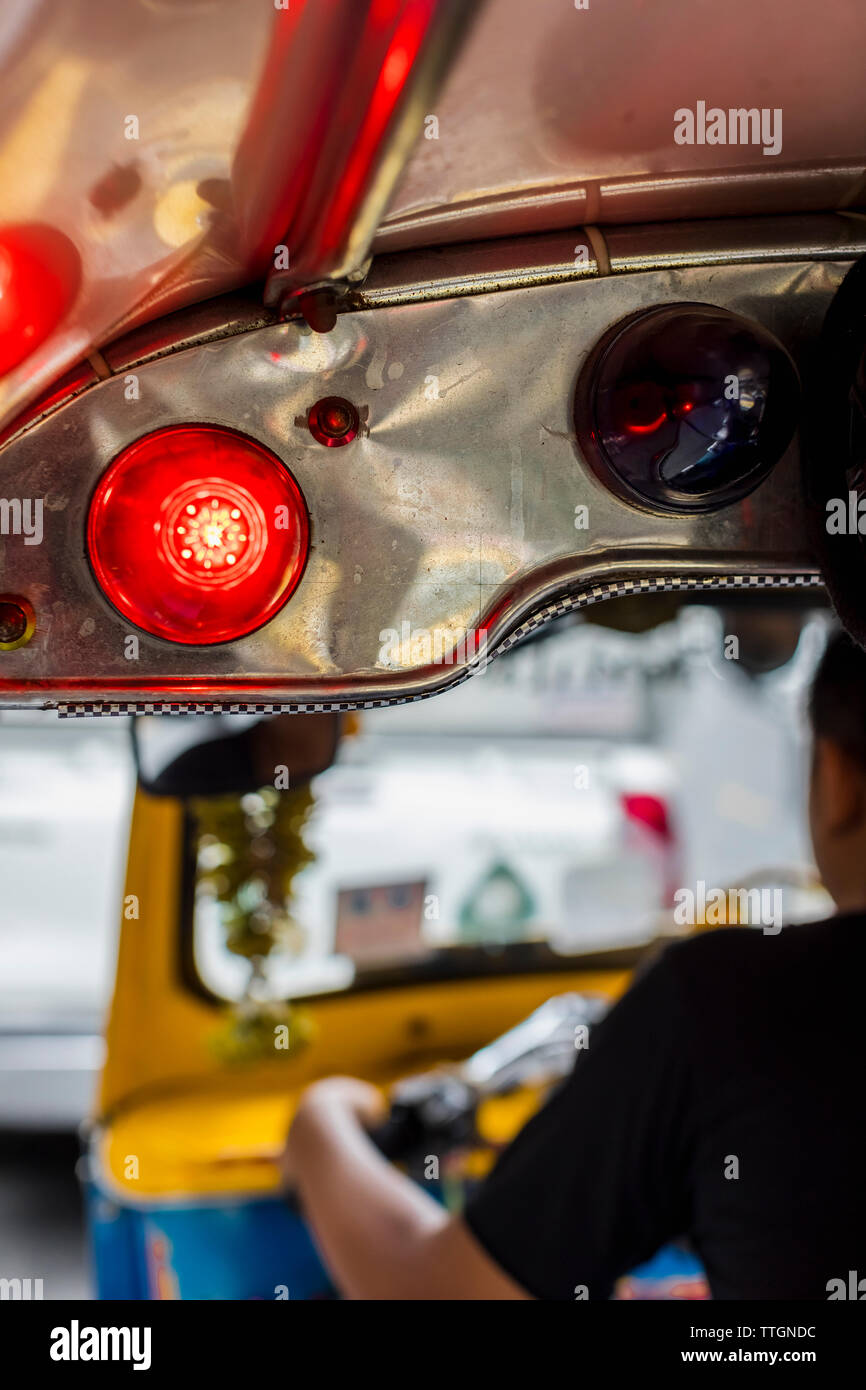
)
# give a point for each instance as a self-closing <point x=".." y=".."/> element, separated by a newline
<point x="558" y="796"/>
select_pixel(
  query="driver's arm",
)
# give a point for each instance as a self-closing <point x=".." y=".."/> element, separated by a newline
<point x="381" y="1236"/>
<point x="596" y="1182"/>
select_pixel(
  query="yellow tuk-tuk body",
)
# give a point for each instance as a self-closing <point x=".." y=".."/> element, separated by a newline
<point x="183" y="1179"/>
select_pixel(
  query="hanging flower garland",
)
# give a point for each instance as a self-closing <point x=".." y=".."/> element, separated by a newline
<point x="249" y="850"/>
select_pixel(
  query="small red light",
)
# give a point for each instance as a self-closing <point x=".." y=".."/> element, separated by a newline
<point x="333" y="421"/>
<point x="650" y="426"/>
<point x="645" y="407"/>
<point x="650" y="811"/>
<point x="40" y="272"/>
<point x="17" y="622"/>
<point x="197" y="534"/>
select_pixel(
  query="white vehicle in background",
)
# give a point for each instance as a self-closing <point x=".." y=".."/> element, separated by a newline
<point x="65" y="796"/>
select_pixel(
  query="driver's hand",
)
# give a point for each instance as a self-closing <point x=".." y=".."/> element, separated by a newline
<point x="332" y="1099"/>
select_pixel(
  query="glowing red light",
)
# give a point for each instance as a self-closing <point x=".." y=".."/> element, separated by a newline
<point x="650" y="427"/>
<point x="333" y="421"/>
<point x="397" y="63"/>
<point x="395" y="69"/>
<point x="211" y="530"/>
<point x="197" y="534"/>
<point x="650" y="811"/>
<point x="645" y="407"/>
<point x="40" y="272"/>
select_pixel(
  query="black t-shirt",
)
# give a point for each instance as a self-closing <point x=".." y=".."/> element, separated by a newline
<point x="721" y="1099"/>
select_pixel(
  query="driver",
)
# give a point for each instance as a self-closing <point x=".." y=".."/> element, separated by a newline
<point x="721" y="1098"/>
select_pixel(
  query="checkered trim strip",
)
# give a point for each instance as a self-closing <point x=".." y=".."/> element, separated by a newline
<point x="627" y="588"/>
<point x="568" y="603"/>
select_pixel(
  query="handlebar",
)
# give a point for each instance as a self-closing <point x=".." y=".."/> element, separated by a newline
<point x="437" y="1110"/>
<point x="425" y="1110"/>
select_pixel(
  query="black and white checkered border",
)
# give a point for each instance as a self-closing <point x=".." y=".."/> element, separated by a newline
<point x="627" y="588"/>
<point x="569" y="603"/>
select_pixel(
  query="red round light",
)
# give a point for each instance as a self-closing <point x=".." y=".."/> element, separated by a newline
<point x="333" y="421"/>
<point x="197" y="534"/>
<point x="40" y="272"/>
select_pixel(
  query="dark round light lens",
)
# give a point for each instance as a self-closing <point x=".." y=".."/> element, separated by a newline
<point x="17" y="622"/>
<point x="686" y="407"/>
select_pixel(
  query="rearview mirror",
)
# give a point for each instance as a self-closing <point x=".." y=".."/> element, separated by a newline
<point x="216" y="755"/>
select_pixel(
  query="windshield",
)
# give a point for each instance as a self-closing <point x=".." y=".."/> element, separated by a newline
<point x="549" y="808"/>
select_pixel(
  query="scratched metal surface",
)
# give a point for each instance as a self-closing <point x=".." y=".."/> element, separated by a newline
<point x="453" y="510"/>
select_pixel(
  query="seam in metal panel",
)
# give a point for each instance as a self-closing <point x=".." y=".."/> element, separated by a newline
<point x="595" y="237"/>
<point x="569" y="603"/>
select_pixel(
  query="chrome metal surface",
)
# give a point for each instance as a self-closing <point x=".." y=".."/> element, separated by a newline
<point x="611" y="202"/>
<point x="178" y="144"/>
<point x="441" y="272"/>
<point x="538" y="1049"/>
<point x="352" y="123"/>
<point x="454" y="510"/>
<point x="555" y="116"/>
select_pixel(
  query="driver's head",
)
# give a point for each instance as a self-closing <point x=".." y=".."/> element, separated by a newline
<point x="837" y="794"/>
